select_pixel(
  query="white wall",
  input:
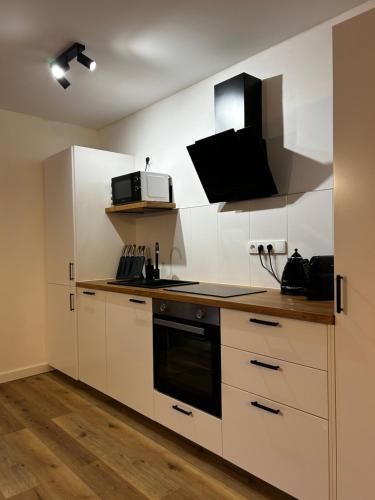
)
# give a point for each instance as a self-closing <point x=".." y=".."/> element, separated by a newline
<point x="24" y="142"/>
<point x="209" y="243"/>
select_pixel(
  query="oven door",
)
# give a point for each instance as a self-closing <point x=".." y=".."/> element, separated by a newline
<point x="187" y="363"/>
<point x="126" y="189"/>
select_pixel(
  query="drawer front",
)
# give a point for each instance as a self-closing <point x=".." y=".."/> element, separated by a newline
<point x="196" y="425"/>
<point x="92" y="363"/>
<point x="295" y="385"/>
<point x="288" y="450"/>
<point x="300" y="342"/>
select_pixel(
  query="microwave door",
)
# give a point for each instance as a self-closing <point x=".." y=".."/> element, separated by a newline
<point x="126" y="189"/>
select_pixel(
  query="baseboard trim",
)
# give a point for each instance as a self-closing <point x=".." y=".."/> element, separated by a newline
<point x="28" y="371"/>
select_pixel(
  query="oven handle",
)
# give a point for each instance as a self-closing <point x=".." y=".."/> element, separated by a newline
<point x="179" y="326"/>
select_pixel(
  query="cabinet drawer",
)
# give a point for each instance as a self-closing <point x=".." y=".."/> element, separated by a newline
<point x="299" y="386"/>
<point x="292" y="340"/>
<point x="200" y="427"/>
<point x="288" y="449"/>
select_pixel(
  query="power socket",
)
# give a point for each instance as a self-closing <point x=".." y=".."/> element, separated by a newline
<point x="278" y="246"/>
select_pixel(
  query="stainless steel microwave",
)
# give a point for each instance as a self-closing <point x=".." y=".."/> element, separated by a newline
<point x="141" y="186"/>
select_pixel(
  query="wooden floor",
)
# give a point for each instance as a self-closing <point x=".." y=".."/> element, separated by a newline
<point x="60" y="439"/>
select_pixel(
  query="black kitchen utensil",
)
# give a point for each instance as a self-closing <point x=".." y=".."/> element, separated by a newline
<point x="149" y="270"/>
<point x="119" y="274"/>
<point x="138" y="263"/>
<point x="157" y="271"/>
<point x="129" y="262"/>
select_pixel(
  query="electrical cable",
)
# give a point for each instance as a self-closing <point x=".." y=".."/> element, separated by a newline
<point x="260" y="250"/>
<point x="273" y="272"/>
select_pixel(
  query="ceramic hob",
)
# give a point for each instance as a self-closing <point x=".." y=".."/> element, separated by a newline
<point x="216" y="290"/>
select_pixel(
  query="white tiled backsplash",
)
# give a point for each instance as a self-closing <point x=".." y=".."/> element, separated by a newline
<point x="210" y="243"/>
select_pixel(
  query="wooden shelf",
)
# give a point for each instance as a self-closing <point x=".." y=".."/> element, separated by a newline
<point x="141" y="207"/>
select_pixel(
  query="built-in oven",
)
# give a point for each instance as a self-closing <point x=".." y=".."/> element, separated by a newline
<point x="187" y="362"/>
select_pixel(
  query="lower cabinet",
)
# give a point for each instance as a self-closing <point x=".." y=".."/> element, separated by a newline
<point x="129" y="351"/>
<point x="62" y="329"/>
<point x="92" y="361"/>
<point x="196" y="425"/>
<point x="285" y="447"/>
<point x="272" y="408"/>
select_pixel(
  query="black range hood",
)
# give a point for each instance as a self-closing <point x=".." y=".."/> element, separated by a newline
<point x="232" y="165"/>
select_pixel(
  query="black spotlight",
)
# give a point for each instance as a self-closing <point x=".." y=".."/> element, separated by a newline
<point x="86" y="61"/>
<point x="60" y="65"/>
<point x="63" y="82"/>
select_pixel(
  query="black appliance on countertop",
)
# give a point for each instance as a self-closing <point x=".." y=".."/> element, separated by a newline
<point x="320" y="278"/>
<point x="313" y="279"/>
<point x="232" y="165"/>
<point x="223" y="291"/>
<point x="187" y="365"/>
<point x="294" y="279"/>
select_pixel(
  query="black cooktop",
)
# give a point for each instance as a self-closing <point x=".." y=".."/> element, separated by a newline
<point x="216" y="290"/>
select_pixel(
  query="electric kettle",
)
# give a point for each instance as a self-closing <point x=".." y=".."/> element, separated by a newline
<point x="294" y="280"/>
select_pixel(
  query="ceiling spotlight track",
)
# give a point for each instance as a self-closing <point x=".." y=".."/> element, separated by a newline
<point x="60" y="65"/>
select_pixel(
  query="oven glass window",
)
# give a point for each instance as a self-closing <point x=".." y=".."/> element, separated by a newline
<point x="187" y="364"/>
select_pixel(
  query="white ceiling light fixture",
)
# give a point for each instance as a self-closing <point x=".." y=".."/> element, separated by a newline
<point x="60" y="65"/>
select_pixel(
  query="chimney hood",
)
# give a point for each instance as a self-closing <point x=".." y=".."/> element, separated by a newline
<point x="232" y="165"/>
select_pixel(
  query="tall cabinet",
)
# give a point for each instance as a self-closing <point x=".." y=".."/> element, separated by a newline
<point x="82" y="243"/>
<point x="354" y="169"/>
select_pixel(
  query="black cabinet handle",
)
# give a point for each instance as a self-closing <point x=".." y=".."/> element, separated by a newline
<point x="71" y="271"/>
<point x="263" y="322"/>
<point x="339" y="307"/>
<point x="89" y="293"/>
<point x="264" y="365"/>
<point x="137" y="301"/>
<point x="265" y="408"/>
<point x="181" y="410"/>
<point x="71" y="301"/>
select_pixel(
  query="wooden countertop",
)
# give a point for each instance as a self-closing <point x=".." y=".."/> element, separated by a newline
<point x="271" y="303"/>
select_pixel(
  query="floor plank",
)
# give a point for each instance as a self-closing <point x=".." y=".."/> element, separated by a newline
<point x="107" y="483"/>
<point x="55" y="479"/>
<point x="14" y="476"/>
<point x="60" y="439"/>
<point x="8" y="422"/>
<point x="36" y="419"/>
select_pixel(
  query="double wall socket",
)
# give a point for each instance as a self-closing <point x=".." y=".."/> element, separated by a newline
<point x="278" y="246"/>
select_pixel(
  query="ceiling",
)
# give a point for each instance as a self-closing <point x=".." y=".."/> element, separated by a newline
<point x="145" y="49"/>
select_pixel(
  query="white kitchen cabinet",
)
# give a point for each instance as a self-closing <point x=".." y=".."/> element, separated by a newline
<point x="92" y="362"/>
<point x="62" y="330"/>
<point x="130" y="351"/>
<point x="354" y="172"/>
<point x="59" y="218"/>
<point x="288" y="449"/>
<point x="82" y="243"/>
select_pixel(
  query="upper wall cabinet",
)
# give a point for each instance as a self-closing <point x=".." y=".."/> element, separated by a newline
<point x="81" y="242"/>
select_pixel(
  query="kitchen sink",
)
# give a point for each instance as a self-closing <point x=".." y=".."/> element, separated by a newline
<point x="157" y="283"/>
